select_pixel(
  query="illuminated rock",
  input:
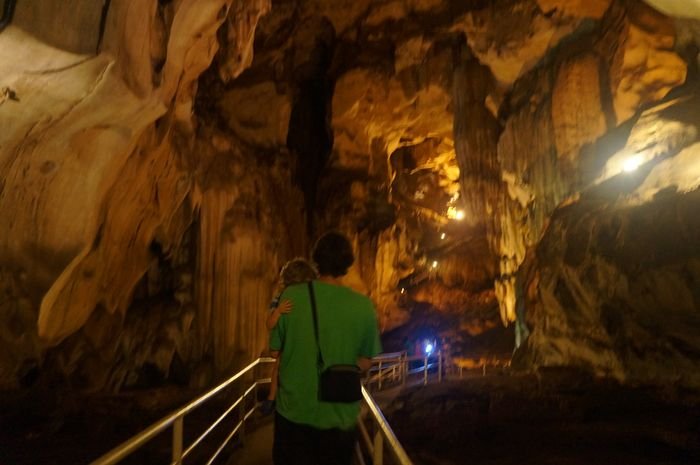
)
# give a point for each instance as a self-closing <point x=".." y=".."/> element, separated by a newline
<point x="368" y="109"/>
<point x="608" y="289"/>
<point x="577" y="106"/>
<point x="644" y="67"/>
<point x="678" y="8"/>
<point x="512" y="37"/>
<point x="87" y="176"/>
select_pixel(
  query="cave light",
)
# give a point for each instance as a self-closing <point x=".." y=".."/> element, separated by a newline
<point x="429" y="348"/>
<point x="442" y="236"/>
<point x="632" y="163"/>
<point x="403" y="290"/>
<point x="435" y="263"/>
<point x="454" y="214"/>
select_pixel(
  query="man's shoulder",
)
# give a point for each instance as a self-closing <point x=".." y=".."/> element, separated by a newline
<point x="356" y="299"/>
<point x="358" y="296"/>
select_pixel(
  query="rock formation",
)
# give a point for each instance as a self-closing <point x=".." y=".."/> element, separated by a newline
<point x="533" y="162"/>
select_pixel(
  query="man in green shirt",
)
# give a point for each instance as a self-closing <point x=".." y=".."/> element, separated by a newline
<point x="309" y="431"/>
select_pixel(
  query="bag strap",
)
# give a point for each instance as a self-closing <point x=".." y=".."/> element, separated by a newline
<point x="315" y="318"/>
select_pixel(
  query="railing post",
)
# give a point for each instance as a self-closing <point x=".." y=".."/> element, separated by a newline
<point x="483" y="369"/>
<point x="379" y="377"/>
<point x="425" y="370"/>
<point x="404" y="367"/>
<point x="241" y="408"/>
<point x="255" y="387"/>
<point x="378" y="456"/>
<point x="440" y="366"/>
<point x="177" y="441"/>
<point x="255" y="394"/>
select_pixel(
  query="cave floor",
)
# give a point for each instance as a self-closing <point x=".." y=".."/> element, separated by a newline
<point x="552" y="418"/>
<point x="560" y="418"/>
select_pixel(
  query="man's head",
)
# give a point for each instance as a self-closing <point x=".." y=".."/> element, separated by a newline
<point x="333" y="254"/>
<point x="297" y="270"/>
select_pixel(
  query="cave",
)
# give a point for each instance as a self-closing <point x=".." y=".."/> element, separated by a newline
<point x="519" y="179"/>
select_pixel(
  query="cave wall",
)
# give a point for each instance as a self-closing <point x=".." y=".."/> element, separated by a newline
<point x="612" y="287"/>
<point x="160" y="161"/>
<point x="102" y="175"/>
<point x="617" y="291"/>
<point x="529" y="102"/>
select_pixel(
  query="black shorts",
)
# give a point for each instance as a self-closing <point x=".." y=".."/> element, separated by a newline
<point x="297" y="444"/>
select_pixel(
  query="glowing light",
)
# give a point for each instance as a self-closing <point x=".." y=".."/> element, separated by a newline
<point x="429" y="348"/>
<point x="632" y="163"/>
<point x="403" y="290"/>
<point x="435" y="263"/>
<point x="442" y="236"/>
<point x="454" y="214"/>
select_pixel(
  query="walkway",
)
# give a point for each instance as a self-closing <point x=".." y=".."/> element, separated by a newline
<point x="250" y="439"/>
<point x="390" y="371"/>
<point x="257" y="448"/>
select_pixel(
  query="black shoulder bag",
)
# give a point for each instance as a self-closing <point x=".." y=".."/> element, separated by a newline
<point x="337" y="383"/>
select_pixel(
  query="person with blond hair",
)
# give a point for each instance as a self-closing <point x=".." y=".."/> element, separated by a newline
<point x="295" y="271"/>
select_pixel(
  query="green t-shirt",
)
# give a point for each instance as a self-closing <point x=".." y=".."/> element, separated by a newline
<point x="347" y="327"/>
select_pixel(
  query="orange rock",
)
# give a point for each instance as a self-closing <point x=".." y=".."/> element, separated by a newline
<point x="644" y="66"/>
<point x="577" y="110"/>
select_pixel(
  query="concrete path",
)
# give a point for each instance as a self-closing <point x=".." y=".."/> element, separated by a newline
<point x="257" y="444"/>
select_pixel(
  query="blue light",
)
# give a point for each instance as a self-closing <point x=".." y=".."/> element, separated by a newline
<point x="428" y="348"/>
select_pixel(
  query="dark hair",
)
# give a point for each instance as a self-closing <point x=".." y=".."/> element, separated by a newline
<point x="333" y="254"/>
<point x="297" y="270"/>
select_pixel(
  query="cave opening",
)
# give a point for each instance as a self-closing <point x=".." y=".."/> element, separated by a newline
<point x="519" y="181"/>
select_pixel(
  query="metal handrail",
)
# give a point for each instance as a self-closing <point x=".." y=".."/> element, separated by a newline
<point x="382" y="433"/>
<point x="388" y="355"/>
<point x="383" y="364"/>
<point x="176" y="419"/>
<point x="397" y="364"/>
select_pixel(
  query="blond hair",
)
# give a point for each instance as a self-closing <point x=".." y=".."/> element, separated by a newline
<point x="297" y="270"/>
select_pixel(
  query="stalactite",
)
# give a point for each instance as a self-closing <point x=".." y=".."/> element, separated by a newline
<point x="236" y="274"/>
<point x="90" y="170"/>
<point x="245" y="234"/>
<point x="476" y="134"/>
